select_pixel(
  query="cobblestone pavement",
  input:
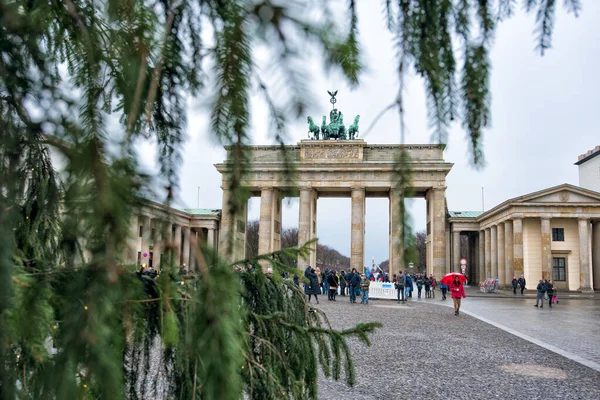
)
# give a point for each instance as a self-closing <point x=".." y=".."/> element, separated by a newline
<point x="423" y="351"/>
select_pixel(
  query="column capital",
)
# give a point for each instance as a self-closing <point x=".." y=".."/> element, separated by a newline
<point x="517" y="216"/>
<point x="545" y="216"/>
<point x="584" y="219"/>
<point x="265" y="188"/>
<point x="305" y="188"/>
<point x="357" y="188"/>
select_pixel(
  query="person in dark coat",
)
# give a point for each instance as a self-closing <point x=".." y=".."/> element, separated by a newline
<point x="312" y="288"/>
<point x="515" y="283"/>
<point x="332" y="284"/>
<point x="522" y="283"/>
<point x="541" y="289"/>
<point x="343" y="283"/>
<point x="550" y="292"/>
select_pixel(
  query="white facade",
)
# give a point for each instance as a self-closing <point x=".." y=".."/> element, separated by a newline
<point x="589" y="169"/>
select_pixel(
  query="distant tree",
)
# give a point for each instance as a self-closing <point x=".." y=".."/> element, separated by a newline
<point x="330" y="257"/>
<point x="289" y="238"/>
<point x="421" y="246"/>
<point x="252" y="239"/>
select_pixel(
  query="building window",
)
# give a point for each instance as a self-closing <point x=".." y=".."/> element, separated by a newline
<point x="559" y="269"/>
<point x="558" y="234"/>
<point x="141" y="230"/>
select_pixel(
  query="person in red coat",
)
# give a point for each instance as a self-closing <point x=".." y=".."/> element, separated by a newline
<point x="458" y="292"/>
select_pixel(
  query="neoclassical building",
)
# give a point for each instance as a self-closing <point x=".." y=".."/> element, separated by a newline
<point x="156" y="225"/>
<point x="550" y="234"/>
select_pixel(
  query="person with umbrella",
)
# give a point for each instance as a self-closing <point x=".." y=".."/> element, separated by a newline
<point x="455" y="283"/>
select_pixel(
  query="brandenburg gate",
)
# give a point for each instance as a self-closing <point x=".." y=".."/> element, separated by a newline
<point x="333" y="165"/>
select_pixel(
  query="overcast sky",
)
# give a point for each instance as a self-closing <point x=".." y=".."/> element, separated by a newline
<point x="544" y="114"/>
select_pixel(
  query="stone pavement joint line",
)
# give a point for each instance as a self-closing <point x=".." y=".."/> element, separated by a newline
<point x="564" y="353"/>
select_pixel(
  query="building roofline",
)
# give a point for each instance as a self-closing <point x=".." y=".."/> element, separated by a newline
<point x="588" y="156"/>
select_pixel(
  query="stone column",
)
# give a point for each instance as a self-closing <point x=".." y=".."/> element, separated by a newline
<point x="227" y="227"/>
<point x="146" y="239"/>
<point x="177" y="246"/>
<point x="276" y="225"/>
<point x="546" y="248"/>
<point x="185" y="252"/>
<point x="501" y="258"/>
<point x="210" y="238"/>
<point x="488" y="253"/>
<point x="494" y="251"/>
<point x="509" y="267"/>
<point x="265" y="225"/>
<point x="437" y="221"/>
<point x="455" y="251"/>
<point x="596" y="253"/>
<point x="304" y="223"/>
<point x="481" y="260"/>
<point x="472" y="257"/>
<point x="157" y="243"/>
<point x="357" y="235"/>
<point x="396" y="236"/>
<point x="518" y="246"/>
<point x="313" y="226"/>
<point x="584" y="255"/>
<point x="133" y="241"/>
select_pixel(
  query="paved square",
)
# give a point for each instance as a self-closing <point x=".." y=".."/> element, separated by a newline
<point x="423" y="351"/>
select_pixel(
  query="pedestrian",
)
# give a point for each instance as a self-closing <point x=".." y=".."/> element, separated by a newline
<point x="312" y="288"/>
<point x="458" y="293"/>
<point x="541" y="289"/>
<point x="522" y="283"/>
<point x="419" y="285"/>
<point x="332" y="284"/>
<point x="409" y="286"/>
<point x="296" y="280"/>
<point x="433" y="285"/>
<point x="515" y="283"/>
<point x="444" y="290"/>
<point x="400" y="283"/>
<point x="326" y="280"/>
<point x="354" y="285"/>
<point x="427" y="283"/>
<point x="343" y="283"/>
<point x="550" y="292"/>
<point x="364" y="289"/>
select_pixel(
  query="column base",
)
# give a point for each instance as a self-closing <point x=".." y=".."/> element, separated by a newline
<point x="586" y="289"/>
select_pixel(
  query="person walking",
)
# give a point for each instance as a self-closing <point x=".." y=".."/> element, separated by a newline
<point x="515" y="283"/>
<point x="312" y="288"/>
<point x="522" y="283"/>
<point x="427" y="283"/>
<point x="409" y="286"/>
<point x="433" y="285"/>
<point x="419" y="285"/>
<point x="458" y="293"/>
<point x="332" y="284"/>
<point x="343" y="283"/>
<point x="541" y="289"/>
<point x="326" y="281"/>
<point x="400" y="284"/>
<point x="444" y="290"/>
<point x="364" y="289"/>
<point x="550" y="292"/>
